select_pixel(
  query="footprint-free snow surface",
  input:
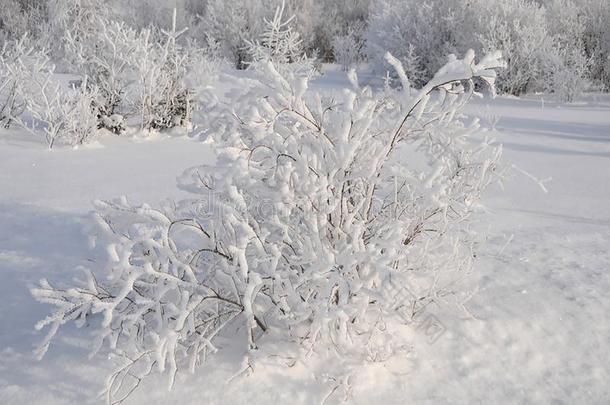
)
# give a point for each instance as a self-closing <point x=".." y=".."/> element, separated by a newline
<point x="536" y="329"/>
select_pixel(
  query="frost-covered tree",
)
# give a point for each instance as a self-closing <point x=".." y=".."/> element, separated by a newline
<point x="231" y="23"/>
<point x="519" y="28"/>
<point x="143" y="14"/>
<point x="163" y="100"/>
<point x="15" y="56"/>
<point x="63" y="116"/>
<point x="279" y="44"/>
<point x="24" y="17"/>
<point x="79" y="18"/>
<point x="555" y="46"/>
<point x="543" y="45"/>
<point x="596" y="40"/>
<point x="107" y="61"/>
<point x="542" y="41"/>
<point x="348" y="49"/>
<point x="420" y="34"/>
<point x="28" y="83"/>
<point x="299" y="234"/>
<point x="320" y="22"/>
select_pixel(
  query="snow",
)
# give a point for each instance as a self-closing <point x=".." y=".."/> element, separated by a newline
<point x="535" y="331"/>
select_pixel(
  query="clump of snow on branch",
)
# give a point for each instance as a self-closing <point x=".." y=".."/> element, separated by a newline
<point x="316" y="209"/>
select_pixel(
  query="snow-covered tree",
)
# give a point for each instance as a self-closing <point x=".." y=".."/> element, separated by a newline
<point x="596" y="40"/>
<point x="311" y="217"/>
<point x="15" y="55"/>
<point x="542" y="41"/>
<point x="62" y="116"/>
<point x="420" y="34"/>
<point x="163" y="100"/>
<point x="519" y="28"/>
<point x="279" y="43"/>
<point x="231" y="23"/>
<point x="78" y="17"/>
<point x="348" y="49"/>
<point x="320" y="22"/>
<point x="107" y="60"/>
<point x="24" y="17"/>
<point x="27" y="83"/>
<point x="143" y="14"/>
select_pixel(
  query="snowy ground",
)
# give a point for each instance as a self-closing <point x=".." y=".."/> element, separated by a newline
<point x="538" y="329"/>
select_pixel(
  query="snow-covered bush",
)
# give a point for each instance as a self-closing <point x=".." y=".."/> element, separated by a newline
<point x="107" y="60"/>
<point x="80" y="19"/>
<point x="542" y="41"/>
<point x="279" y="44"/>
<point x="543" y="46"/>
<point x="23" y="17"/>
<point x="320" y="22"/>
<point x="145" y="69"/>
<point x="14" y="57"/>
<point x="518" y="27"/>
<point x="80" y="114"/>
<point x="317" y="209"/>
<point x="28" y="84"/>
<point x="163" y="100"/>
<point x="204" y="71"/>
<point x="564" y="73"/>
<point x="348" y="49"/>
<point x="596" y="39"/>
<point x="62" y="116"/>
<point x="230" y="23"/>
<point x="419" y="34"/>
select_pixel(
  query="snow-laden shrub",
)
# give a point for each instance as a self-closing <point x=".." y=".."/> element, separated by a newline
<point x="566" y="65"/>
<point x="14" y="56"/>
<point x="32" y="97"/>
<point x="317" y="211"/>
<point x="564" y="73"/>
<point x="543" y="41"/>
<point x="107" y="60"/>
<point x="163" y="100"/>
<point x="230" y="23"/>
<point x="24" y="17"/>
<point x="62" y="116"/>
<point x="543" y="46"/>
<point x="279" y="43"/>
<point x="596" y="40"/>
<point x="348" y="49"/>
<point x="80" y="18"/>
<point x="519" y="28"/>
<point x="204" y="71"/>
<point x="320" y="22"/>
<point x="419" y="34"/>
<point x="80" y="118"/>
